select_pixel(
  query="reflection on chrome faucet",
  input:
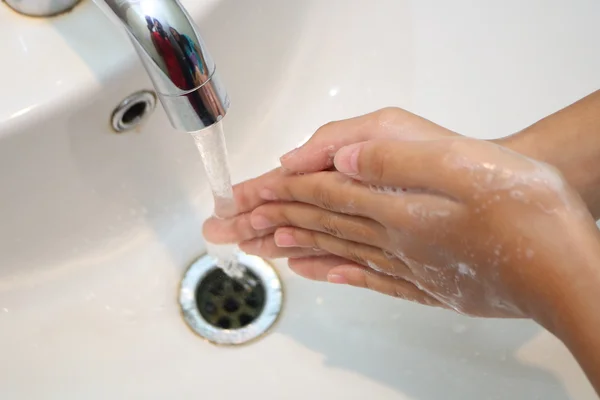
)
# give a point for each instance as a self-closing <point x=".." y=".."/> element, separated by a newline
<point x="166" y="50"/>
<point x="176" y="59"/>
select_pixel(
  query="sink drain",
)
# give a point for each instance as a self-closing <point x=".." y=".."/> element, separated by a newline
<point x="132" y="111"/>
<point x="222" y="310"/>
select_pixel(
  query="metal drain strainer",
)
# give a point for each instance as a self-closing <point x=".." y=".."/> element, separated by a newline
<point x="222" y="310"/>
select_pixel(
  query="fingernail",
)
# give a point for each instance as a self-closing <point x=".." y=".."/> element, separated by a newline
<point x="284" y="239"/>
<point x="346" y="159"/>
<point x="335" y="278"/>
<point x="288" y="154"/>
<point x="259" y="222"/>
<point x="267" y="194"/>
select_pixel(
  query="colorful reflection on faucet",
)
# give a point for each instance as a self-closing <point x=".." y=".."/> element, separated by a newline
<point x="173" y="53"/>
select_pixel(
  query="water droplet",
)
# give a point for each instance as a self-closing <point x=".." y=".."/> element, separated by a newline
<point x="319" y="300"/>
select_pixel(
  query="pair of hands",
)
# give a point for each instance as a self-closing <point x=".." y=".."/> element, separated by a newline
<point x="395" y="203"/>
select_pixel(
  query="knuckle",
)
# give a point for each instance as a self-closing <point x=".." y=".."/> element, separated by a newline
<point x="400" y="293"/>
<point x="377" y="160"/>
<point x="287" y="190"/>
<point x="259" y="247"/>
<point x="242" y="195"/>
<point x="279" y="214"/>
<point x="244" y="228"/>
<point x="388" y="115"/>
<point x="353" y="253"/>
<point x="329" y="224"/>
<point x="324" y="130"/>
<point x="370" y="281"/>
<point x="322" y="196"/>
<point x="315" y="240"/>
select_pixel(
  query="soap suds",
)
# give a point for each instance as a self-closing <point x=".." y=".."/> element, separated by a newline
<point x="388" y="255"/>
<point x="375" y="267"/>
<point x="464" y="269"/>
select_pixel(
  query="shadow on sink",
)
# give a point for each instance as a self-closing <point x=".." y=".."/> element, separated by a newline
<point x="424" y="353"/>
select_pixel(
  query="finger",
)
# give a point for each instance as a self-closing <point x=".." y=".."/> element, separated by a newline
<point x="435" y="165"/>
<point x="359" y="276"/>
<point x="306" y="216"/>
<point x="316" y="268"/>
<point x="338" y="193"/>
<point x="232" y="230"/>
<point x="251" y="193"/>
<point x="358" y="253"/>
<point x="388" y="123"/>
<point x="265" y="247"/>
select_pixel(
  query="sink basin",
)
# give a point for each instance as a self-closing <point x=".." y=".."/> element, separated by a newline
<point x="98" y="228"/>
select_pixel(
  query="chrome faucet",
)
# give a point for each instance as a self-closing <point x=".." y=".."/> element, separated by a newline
<point x="172" y="52"/>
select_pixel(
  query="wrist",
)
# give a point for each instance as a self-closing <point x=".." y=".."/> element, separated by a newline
<point x="564" y="284"/>
<point x="576" y="161"/>
<point x="570" y="141"/>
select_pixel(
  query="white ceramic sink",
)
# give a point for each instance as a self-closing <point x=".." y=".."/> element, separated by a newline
<point x="96" y="229"/>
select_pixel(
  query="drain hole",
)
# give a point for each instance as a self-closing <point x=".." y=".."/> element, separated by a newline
<point x="210" y="308"/>
<point x="217" y="288"/>
<point x="252" y="302"/>
<point x="134" y="113"/>
<point x="230" y="305"/>
<point x="224" y="323"/>
<point x="223" y="311"/>
<point x="237" y="287"/>
<point x="245" y="319"/>
<point x="226" y="304"/>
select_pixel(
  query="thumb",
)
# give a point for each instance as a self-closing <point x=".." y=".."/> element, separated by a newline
<point x="400" y="164"/>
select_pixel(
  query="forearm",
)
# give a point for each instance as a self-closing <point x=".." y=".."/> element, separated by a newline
<point x="583" y="340"/>
<point x="570" y="140"/>
<point x="576" y="318"/>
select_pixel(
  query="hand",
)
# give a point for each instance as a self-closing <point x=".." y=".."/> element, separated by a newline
<point x="554" y="279"/>
<point x="476" y="228"/>
<point x="315" y="155"/>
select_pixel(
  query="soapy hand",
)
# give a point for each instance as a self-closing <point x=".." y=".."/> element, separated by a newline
<point x="418" y="212"/>
<point x="445" y="221"/>
<point x="460" y="223"/>
<point x="315" y="155"/>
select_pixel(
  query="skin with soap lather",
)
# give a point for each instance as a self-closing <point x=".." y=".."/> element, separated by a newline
<point x="480" y="229"/>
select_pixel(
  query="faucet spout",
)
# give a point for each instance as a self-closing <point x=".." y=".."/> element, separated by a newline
<point x="176" y="59"/>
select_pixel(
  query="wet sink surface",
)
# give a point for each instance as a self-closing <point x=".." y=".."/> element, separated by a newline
<point x="98" y="228"/>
